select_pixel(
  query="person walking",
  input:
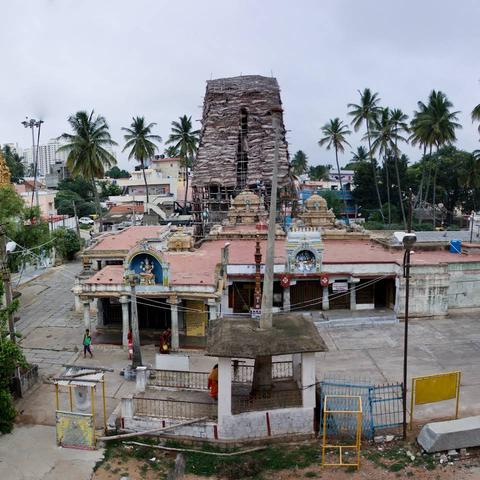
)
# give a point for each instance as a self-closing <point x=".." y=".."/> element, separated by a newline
<point x="213" y="382"/>
<point x="87" y="342"/>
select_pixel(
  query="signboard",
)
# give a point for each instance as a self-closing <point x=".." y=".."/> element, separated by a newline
<point x="255" y="312"/>
<point x="340" y="287"/>
<point x="195" y="318"/>
<point x="435" y="388"/>
<point x="75" y="430"/>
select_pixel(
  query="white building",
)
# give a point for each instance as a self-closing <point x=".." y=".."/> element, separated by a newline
<point x="47" y="156"/>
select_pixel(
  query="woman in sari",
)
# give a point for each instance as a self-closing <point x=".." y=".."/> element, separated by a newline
<point x="213" y="382"/>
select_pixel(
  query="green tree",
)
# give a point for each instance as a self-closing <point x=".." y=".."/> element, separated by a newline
<point x="398" y="119"/>
<point x="185" y="142"/>
<point x="14" y="163"/>
<point x="333" y="201"/>
<point x="365" y="112"/>
<point x="12" y="206"/>
<point x="360" y="155"/>
<point x="335" y="132"/>
<point x="476" y="115"/>
<point x="171" y="152"/>
<point x="76" y="190"/>
<point x="299" y="163"/>
<point x="88" y="148"/>
<point x="319" y="172"/>
<point x="116" y="172"/>
<point x="437" y="124"/>
<point x="108" y="189"/>
<point x="364" y="194"/>
<point x="11" y="357"/>
<point x="141" y="142"/>
<point x="67" y="243"/>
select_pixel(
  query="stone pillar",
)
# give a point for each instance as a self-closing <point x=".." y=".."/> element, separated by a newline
<point x="173" y="301"/>
<point x="224" y="386"/>
<point x="125" y="320"/>
<point x="308" y="380"/>
<point x="212" y="309"/>
<point x="297" y="368"/>
<point x="127" y="407"/>
<point x="77" y="290"/>
<point x="86" y="313"/>
<point x="99" y="312"/>
<point x="353" y="296"/>
<point x="141" y="379"/>
<point x="286" y="299"/>
<point x="325" y="300"/>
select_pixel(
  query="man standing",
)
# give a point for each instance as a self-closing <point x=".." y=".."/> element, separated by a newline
<point x="87" y="342"/>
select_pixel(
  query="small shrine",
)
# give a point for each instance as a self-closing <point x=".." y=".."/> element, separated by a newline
<point x="316" y="213"/>
<point x="304" y="250"/>
<point x="5" y="176"/>
<point x="247" y="208"/>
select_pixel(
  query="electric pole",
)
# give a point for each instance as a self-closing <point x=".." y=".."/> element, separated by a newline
<point x="76" y="218"/>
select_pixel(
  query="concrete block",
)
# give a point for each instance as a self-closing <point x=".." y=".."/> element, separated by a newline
<point x="449" y="435"/>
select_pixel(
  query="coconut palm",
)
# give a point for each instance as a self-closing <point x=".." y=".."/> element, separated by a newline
<point x="360" y="155"/>
<point x="88" y="148"/>
<point x="365" y="112"/>
<point x="437" y="123"/>
<point x="185" y="142"/>
<point x="398" y="121"/>
<point x="334" y="132"/>
<point x="382" y="136"/>
<point x="141" y="143"/>
<point x="299" y="163"/>
<point x="476" y="115"/>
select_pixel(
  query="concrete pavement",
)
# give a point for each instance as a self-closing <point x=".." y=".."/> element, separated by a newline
<point x="30" y="453"/>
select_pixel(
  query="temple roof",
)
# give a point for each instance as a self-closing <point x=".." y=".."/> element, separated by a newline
<point x="240" y="337"/>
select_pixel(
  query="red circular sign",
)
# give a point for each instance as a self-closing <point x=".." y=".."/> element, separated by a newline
<point x="285" y="281"/>
<point x="324" y="280"/>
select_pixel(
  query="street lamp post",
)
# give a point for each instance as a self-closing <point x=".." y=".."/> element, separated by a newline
<point x="32" y="124"/>
<point x="408" y="241"/>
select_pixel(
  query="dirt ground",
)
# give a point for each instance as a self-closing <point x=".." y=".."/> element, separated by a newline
<point x="156" y="464"/>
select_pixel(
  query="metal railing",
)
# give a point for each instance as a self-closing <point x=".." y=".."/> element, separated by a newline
<point x="266" y="401"/>
<point x="178" y="379"/>
<point x="180" y="409"/>
<point x="244" y="373"/>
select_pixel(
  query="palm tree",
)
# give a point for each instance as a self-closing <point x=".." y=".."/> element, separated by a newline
<point x="476" y="115"/>
<point x="185" y="142"/>
<point x="469" y="174"/>
<point x="334" y="132"/>
<point x="398" y="119"/>
<point x="299" y="163"/>
<point x="88" y="148"/>
<point x="171" y="152"/>
<point x="141" y="141"/>
<point x="382" y="136"/>
<point x="438" y="124"/>
<point x="360" y="155"/>
<point x="365" y="112"/>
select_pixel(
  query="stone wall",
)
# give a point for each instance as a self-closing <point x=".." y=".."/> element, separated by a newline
<point x="464" y="287"/>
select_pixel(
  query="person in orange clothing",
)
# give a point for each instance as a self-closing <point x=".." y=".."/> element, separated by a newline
<point x="213" y="382"/>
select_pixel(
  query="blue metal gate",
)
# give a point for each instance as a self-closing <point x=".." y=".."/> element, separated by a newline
<point x="382" y="404"/>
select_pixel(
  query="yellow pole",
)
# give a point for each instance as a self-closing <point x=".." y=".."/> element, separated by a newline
<point x="411" y="404"/>
<point x="459" y="376"/>
<point x="324" y="429"/>
<point x="359" y="437"/>
<point x="57" y="402"/>
<point x="104" y="406"/>
<point x="71" y="399"/>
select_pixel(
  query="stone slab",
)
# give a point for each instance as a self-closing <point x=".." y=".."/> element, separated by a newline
<point x="450" y="435"/>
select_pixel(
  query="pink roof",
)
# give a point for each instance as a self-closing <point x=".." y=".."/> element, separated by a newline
<point x="128" y="238"/>
<point x="199" y="267"/>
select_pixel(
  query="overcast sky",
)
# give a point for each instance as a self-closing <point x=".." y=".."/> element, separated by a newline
<point x="152" y="58"/>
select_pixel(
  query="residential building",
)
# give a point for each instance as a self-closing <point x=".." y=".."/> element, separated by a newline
<point x="48" y="154"/>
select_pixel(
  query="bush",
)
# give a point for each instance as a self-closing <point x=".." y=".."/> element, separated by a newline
<point x="7" y="411"/>
<point x="67" y="243"/>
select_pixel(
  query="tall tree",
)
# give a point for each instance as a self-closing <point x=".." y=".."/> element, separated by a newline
<point x="185" y="142"/>
<point x="171" y="152"/>
<point x="319" y="172"/>
<point x="335" y="132"/>
<point x="476" y="115"/>
<point x="438" y="123"/>
<point x="88" y="148"/>
<point x="14" y="163"/>
<point x="365" y="112"/>
<point x="398" y="120"/>
<point x="299" y="163"/>
<point x="141" y="142"/>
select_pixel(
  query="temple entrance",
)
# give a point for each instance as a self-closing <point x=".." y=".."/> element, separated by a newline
<point x="112" y="311"/>
<point x="240" y="296"/>
<point x="339" y="299"/>
<point x="306" y="295"/>
<point x="385" y="293"/>
<point x="153" y="313"/>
